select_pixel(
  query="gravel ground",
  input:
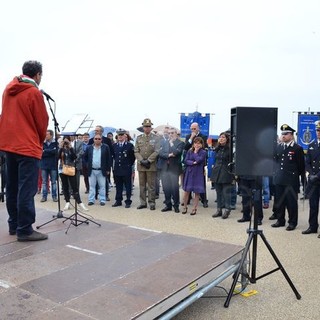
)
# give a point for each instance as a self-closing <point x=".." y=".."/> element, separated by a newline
<point x="299" y="255"/>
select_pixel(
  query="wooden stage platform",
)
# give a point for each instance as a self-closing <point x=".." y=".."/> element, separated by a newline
<point x="109" y="272"/>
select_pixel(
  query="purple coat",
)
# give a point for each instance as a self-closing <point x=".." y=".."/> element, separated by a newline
<point x="194" y="179"/>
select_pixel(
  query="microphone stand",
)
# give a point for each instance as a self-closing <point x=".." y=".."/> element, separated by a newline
<point x="56" y="130"/>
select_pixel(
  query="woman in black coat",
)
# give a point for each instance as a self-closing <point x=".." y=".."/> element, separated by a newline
<point x="222" y="177"/>
<point x="68" y="156"/>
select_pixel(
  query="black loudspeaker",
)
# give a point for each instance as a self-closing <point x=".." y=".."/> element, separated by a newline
<point x="253" y="140"/>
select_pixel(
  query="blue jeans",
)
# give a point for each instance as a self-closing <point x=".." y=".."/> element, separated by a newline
<point x="21" y="187"/>
<point x="53" y="174"/>
<point x="97" y="176"/>
<point x="265" y="190"/>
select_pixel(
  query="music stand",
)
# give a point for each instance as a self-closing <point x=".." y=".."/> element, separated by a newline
<point x="56" y="130"/>
<point x="75" y="221"/>
<point x="253" y="239"/>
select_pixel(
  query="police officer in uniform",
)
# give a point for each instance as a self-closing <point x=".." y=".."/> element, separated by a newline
<point x="290" y="164"/>
<point x="123" y="156"/>
<point x="313" y="187"/>
<point x="146" y="152"/>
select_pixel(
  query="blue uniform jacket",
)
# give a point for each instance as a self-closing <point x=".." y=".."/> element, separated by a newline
<point x="124" y="159"/>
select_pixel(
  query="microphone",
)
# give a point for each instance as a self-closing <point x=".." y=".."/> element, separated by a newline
<point x="46" y="95"/>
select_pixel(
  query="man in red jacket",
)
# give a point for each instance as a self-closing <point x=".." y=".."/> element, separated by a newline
<point x="23" y="110"/>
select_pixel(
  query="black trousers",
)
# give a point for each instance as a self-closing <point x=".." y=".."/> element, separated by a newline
<point x="314" y="196"/>
<point x="127" y="183"/>
<point x="170" y="185"/>
<point x="251" y="195"/>
<point x="286" y="198"/>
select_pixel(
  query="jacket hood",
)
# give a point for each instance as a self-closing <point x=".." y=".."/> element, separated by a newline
<point x="19" y="84"/>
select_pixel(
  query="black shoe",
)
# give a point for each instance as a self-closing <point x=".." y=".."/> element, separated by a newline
<point x="107" y="198"/>
<point x="205" y="204"/>
<point x="127" y="205"/>
<point x="102" y="203"/>
<point x="176" y="209"/>
<point x="278" y="224"/>
<point x="86" y="192"/>
<point x="165" y="209"/>
<point x="152" y="207"/>
<point x="308" y="231"/>
<point x="34" y="236"/>
<point x="290" y="227"/>
<point x="226" y="214"/>
<point x="273" y="217"/>
<point x="142" y="206"/>
<point x="259" y="222"/>
<point x="243" y="220"/>
<point x="43" y="200"/>
<point x="217" y="214"/>
<point x="90" y="203"/>
<point x="117" y="204"/>
<point x="12" y="232"/>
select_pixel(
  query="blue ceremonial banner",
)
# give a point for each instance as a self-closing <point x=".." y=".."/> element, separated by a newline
<point x="186" y="119"/>
<point x="306" y="129"/>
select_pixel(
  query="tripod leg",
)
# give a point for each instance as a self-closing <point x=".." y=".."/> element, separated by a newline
<point x="236" y="275"/>
<point x="280" y="266"/>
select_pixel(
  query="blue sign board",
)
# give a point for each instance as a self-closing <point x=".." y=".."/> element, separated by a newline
<point x="306" y="129"/>
<point x="186" y="119"/>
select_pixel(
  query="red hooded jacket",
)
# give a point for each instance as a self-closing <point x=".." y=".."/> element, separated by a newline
<point x="24" y="119"/>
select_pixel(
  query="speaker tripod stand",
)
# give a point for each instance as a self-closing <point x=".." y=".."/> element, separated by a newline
<point x="76" y="219"/>
<point x="253" y="239"/>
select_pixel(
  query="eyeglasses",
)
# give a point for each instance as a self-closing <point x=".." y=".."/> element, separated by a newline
<point x="97" y="138"/>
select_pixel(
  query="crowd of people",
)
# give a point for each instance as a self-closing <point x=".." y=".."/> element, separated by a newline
<point x="161" y="160"/>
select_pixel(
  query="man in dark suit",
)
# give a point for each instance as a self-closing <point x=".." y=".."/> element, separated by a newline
<point x="169" y="163"/>
<point x="195" y="132"/>
<point x="123" y="160"/>
<point x="313" y="187"/>
<point x="98" y="158"/>
<point x="290" y="165"/>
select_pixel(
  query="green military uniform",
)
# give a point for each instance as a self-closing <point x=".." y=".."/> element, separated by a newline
<point x="146" y="151"/>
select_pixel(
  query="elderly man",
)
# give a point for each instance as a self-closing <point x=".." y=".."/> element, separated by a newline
<point x="98" y="158"/>
<point x="146" y="152"/>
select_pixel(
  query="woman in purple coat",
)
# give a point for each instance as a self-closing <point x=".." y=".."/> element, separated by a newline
<point x="193" y="180"/>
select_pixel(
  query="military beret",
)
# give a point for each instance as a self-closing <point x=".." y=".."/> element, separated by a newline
<point x="286" y="129"/>
<point x="147" y="122"/>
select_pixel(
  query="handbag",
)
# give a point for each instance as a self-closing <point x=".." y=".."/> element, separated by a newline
<point x="68" y="170"/>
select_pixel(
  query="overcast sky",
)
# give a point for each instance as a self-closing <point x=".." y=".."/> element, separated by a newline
<point x="121" y="61"/>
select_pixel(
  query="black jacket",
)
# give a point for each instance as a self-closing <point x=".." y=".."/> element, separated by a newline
<point x="105" y="158"/>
